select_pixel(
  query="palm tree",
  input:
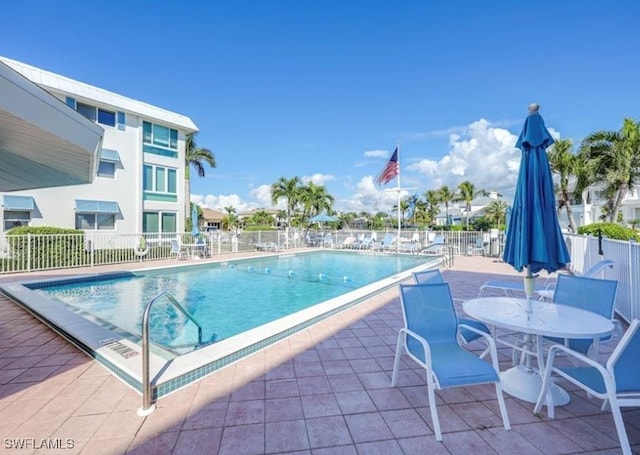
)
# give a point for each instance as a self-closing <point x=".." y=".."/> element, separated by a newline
<point x="468" y="193"/>
<point x="614" y="160"/>
<point x="230" y="220"/>
<point x="194" y="156"/>
<point x="446" y="196"/>
<point x="496" y="211"/>
<point x="404" y="206"/>
<point x="288" y="189"/>
<point x="432" y="209"/>
<point x="315" y="199"/>
<point x="565" y="164"/>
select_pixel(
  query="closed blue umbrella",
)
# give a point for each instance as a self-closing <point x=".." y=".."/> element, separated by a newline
<point x="534" y="239"/>
<point x="195" y="231"/>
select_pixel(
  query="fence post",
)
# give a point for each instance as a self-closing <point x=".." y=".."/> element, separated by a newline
<point x="91" y="241"/>
<point x="29" y="252"/>
<point x="632" y="272"/>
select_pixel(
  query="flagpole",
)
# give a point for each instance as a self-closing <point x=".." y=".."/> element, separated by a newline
<point x="398" y="202"/>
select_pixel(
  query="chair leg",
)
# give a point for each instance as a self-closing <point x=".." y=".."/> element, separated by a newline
<point x="620" y="429"/>
<point x="545" y="392"/>
<point x="396" y="362"/>
<point x="503" y="407"/>
<point x="432" y="407"/>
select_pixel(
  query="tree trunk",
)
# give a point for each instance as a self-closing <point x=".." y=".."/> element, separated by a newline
<point x="622" y="193"/>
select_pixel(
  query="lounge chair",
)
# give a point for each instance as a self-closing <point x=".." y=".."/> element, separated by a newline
<point x="266" y="246"/>
<point x="327" y="241"/>
<point x="437" y="246"/>
<point x="429" y="337"/>
<point x="591" y="294"/>
<point x="387" y="242"/>
<point x="434" y="276"/>
<point x="544" y="290"/>
<point x="618" y="382"/>
<point x="348" y="242"/>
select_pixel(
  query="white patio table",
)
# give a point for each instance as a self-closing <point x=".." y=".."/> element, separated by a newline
<point x="546" y="319"/>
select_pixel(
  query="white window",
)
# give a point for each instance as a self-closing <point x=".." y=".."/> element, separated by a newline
<point x="16" y="218"/>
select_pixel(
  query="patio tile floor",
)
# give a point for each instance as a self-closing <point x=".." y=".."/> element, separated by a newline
<point x="326" y="390"/>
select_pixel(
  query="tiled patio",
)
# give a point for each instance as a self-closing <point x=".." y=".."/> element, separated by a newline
<point x="323" y="391"/>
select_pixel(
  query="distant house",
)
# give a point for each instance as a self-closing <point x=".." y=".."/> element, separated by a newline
<point x="211" y="219"/>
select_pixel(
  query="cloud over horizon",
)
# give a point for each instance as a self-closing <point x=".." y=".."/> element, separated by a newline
<point x="482" y="152"/>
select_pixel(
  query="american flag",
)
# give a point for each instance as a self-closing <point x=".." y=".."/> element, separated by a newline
<point x="391" y="169"/>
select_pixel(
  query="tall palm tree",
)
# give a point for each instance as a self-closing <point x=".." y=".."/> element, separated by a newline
<point x="565" y="164"/>
<point x="315" y="199"/>
<point x="467" y="193"/>
<point x="496" y="211"/>
<point x="194" y="156"/>
<point x="614" y="160"/>
<point x="432" y="201"/>
<point x="289" y="190"/>
<point x="446" y="196"/>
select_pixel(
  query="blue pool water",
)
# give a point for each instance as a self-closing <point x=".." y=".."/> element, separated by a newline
<point x="226" y="299"/>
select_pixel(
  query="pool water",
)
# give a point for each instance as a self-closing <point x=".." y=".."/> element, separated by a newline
<point x="226" y="299"/>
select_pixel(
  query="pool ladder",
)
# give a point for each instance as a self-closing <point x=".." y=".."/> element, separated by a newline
<point x="148" y="407"/>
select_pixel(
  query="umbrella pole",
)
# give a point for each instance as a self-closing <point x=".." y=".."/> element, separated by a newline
<point x="529" y="286"/>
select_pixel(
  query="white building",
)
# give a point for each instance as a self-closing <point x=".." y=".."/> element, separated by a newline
<point x="139" y="186"/>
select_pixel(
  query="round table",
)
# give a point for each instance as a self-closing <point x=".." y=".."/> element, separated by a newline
<point x="546" y="319"/>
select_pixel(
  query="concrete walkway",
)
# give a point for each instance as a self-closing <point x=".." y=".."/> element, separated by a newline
<point x="325" y="390"/>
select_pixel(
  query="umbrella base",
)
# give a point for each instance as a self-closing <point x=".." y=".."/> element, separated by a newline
<point x="525" y="383"/>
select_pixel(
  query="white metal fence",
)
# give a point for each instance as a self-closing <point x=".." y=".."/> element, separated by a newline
<point x="586" y="251"/>
<point x="30" y="252"/>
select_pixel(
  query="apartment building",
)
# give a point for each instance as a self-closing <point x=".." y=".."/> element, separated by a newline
<point x="139" y="184"/>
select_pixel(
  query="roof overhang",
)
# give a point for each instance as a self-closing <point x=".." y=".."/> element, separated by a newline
<point x="43" y="142"/>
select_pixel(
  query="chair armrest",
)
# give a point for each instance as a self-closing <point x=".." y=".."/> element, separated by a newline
<point x="423" y="342"/>
<point x="490" y="341"/>
<point x="576" y="355"/>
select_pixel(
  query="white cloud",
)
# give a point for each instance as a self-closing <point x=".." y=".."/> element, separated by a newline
<point x="483" y="154"/>
<point x="368" y="197"/>
<point x="262" y="195"/>
<point x="317" y="179"/>
<point x="219" y="202"/>
<point x="377" y="154"/>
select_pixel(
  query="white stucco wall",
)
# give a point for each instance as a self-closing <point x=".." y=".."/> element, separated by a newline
<point x="56" y="207"/>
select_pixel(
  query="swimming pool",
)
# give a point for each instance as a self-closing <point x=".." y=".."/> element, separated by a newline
<point x="226" y="299"/>
<point x="270" y="298"/>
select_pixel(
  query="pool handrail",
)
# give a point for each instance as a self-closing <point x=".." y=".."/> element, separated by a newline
<point x="147" y="407"/>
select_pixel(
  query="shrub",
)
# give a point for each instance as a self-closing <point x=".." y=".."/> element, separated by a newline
<point x="610" y="230"/>
<point x="257" y="227"/>
<point x="48" y="246"/>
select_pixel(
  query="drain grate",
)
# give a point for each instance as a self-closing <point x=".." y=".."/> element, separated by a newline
<point x="116" y="346"/>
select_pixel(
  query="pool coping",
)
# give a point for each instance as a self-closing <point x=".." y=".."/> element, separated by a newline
<point x="123" y="357"/>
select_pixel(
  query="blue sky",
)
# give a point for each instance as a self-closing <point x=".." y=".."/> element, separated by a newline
<point x="325" y="90"/>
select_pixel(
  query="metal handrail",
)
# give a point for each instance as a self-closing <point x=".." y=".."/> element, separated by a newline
<point x="147" y="407"/>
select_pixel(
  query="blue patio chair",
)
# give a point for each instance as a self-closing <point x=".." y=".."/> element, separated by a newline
<point x="430" y="338"/>
<point x="200" y="248"/>
<point x="434" y="276"/>
<point x="618" y="383"/>
<point x="387" y="242"/>
<point x="591" y="294"/>
<point x="479" y="246"/>
<point x="544" y="290"/>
